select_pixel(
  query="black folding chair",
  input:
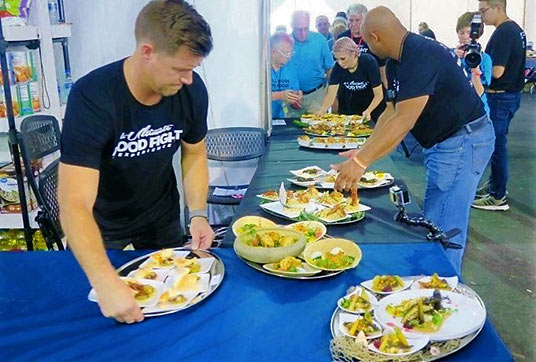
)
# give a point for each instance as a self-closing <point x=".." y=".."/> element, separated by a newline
<point x="39" y="136"/>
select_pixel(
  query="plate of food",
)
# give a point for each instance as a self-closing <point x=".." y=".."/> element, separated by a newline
<point x="146" y="292"/>
<point x="332" y="254"/>
<point x="358" y="301"/>
<point x="292" y="267"/>
<point x="250" y="223"/>
<point x="290" y="213"/>
<point x="375" y="179"/>
<point x="338" y="214"/>
<point x="387" y="284"/>
<point x="330" y="143"/>
<point x="149" y="273"/>
<point x="394" y="343"/>
<point x="436" y="282"/>
<point x="352" y="324"/>
<point x="309" y="172"/>
<point x="312" y="230"/>
<point x="181" y="266"/>
<point x="269" y="245"/>
<point x="440" y="315"/>
<point x="163" y="259"/>
<point x="270" y="195"/>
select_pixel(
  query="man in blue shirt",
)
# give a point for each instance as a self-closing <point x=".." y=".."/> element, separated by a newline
<point x="432" y="99"/>
<point x="480" y="77"/>
<point x="285" y="86"/>
<point x="313" y="60"/>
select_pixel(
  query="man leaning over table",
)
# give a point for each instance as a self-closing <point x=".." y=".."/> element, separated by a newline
<point x="124" y="122"/>
<point x="431" y="98"/>
<point x="313" y="60"/>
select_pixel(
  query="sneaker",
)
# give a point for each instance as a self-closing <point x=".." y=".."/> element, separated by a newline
<point x="491" y="203"/>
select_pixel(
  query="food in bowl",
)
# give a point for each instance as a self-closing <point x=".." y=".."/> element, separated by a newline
<point x="357" y="302"/>
<point x="288" y="264"/>
<point x="435" y="282"/>
<point x="393" y="343"/>
<point x="140" y="291"/>
<point x="334" y="259"/>
<point x="364" y="324"/>
<point x="271" y="239"/>
<point x="387" y="283"/>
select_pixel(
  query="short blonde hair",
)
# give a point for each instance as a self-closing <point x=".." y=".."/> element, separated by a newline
<point x="494" y="3"/>
<point x="169" y="24"/>
<point x="345" y="44"/>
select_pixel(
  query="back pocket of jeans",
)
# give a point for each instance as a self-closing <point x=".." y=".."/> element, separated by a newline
<point x="481" y="155"/>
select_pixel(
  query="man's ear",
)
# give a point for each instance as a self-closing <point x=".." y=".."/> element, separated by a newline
<point x="375" y="37"/>
<point x="147" y="50"/>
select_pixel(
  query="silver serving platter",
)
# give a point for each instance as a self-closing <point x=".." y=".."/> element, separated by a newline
<point x="322" y="275"/>
<point x="322" y="185"/>
<point x="460" y="288"/>
<point x="216" y="271"/>
<point x="332" y="146"/>
<point x="342" y="222"/>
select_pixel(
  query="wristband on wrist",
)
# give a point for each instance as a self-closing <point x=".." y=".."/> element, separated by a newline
<point x="277" y="96"/>
<point x="197" y="213"/>
<point x="359" y="163"/>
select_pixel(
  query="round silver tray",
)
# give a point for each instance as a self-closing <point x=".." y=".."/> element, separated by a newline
<point x="322" y="275"/>
<point x="216" y="273"/>
<point x="321" y="185"/>
<point x="335" y="135"/>
<point x="330" y="147"/>
<point x="343" y="222"/>
<point x="461" y="289"/>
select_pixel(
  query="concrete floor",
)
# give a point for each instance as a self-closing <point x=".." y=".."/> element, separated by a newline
<point x="499" y="262"/>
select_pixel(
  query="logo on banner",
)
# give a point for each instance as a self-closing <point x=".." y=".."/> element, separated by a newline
<point x="146" y="140"/>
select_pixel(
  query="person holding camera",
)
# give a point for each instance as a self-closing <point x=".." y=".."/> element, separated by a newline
<point x="479" y="75"/>
<point x="285" y="86"/>
<point x="507" y="47"/>
<point x="430" y="97"/>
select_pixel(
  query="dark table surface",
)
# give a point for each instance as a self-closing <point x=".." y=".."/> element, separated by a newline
<point x="284" y="154"/>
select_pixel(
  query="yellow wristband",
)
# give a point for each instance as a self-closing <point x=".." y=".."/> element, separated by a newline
<point x="359" y="163"/>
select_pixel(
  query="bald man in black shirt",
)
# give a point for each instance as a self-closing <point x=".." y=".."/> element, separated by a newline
<point x="431" y="98"/>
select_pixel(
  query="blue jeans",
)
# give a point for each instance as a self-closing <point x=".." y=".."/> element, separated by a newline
<point x="502" y="107"/>
<point x="453" y="169"/>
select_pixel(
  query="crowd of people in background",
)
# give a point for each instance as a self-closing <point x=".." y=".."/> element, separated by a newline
<point x="339" y="68"/>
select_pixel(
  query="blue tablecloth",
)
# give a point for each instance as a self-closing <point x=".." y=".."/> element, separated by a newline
<point x="45" y="314"/>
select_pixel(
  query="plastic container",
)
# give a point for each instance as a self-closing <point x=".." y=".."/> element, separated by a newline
<point x="53" y="11"/>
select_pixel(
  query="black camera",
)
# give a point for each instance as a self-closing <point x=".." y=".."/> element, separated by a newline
<point x="473" y="56"/>
<point x="399" y="195"/>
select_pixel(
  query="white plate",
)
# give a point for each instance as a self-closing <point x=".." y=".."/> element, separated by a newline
<point x="165" y="307"/>
<point x="292" y="213"/>
<point x="466" y="318"/>
<point x="302" y="183"/>
<point x="451" y="281"/>
<point x="417" y="344"/>
<point x="150" y="263"/>
<point x="161" y="274"/>
<point x="159" y="286"/>
<point x="202" y="284"/>
<point x="301" y="173"/>
<point x="407" y="283"/>
<point x="305" y="270"/>
<point x="273" y="198"/>
<point x="347" y="317"/>
<point x="372" y="299"/>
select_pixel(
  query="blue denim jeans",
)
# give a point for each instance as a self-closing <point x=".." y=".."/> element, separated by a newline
<point x="502" y="107"/>
<point x="453" y="169"/>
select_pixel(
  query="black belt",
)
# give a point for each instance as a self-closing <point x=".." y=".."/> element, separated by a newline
<point x="472" y="126"/>
<point x="314" y="89"/>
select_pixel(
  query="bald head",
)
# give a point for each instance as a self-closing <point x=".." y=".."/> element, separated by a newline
<point x="383" y="32"/>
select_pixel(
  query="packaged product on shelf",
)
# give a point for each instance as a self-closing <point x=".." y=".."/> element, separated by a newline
<point x="21" y="68"/>
<point x="10" y="75"/>
<point x="25" y="99"/>
<point x="9" y="195"/>
<point x="35" y="95"/>
<point x="14" y="101"/>
<point x="34" y="60"/>
<point x="14" y="12"/>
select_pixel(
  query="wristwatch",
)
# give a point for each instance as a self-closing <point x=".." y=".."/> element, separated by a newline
<point x="197" y="213"/>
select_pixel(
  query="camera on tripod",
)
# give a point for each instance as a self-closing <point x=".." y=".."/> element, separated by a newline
<point x="399" y="195"/>
<point x="473" y="56"/>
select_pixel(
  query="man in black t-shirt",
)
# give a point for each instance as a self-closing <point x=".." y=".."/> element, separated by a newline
<point x="356" y="13"/>
<point x="123" y="124"/>
<point x="432" y="99"/>
<point x="507" y="49"/>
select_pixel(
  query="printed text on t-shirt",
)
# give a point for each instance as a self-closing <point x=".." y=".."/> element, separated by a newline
<point x="146" y="140"/>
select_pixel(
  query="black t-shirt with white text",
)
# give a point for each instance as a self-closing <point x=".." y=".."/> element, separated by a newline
<point x="132" y="146"/>
<point x="507" y="47"/>
<point x="356" y="89"/>
<point x="428" y="68"/>
<point x="363" y="47"/>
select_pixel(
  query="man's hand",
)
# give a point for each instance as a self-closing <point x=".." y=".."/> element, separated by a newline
<point x="116" y="301"/>
<point x="202" y="233"/>
<point x="290" y="96"/>
<point x="476" y="72"/>
<point x="320" y="112"/>
<point x="459" y="51"/>
<point x="349" y="175"/>
<point x="366" y="115"/>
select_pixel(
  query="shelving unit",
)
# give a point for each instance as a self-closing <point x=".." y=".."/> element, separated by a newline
<point x="38" y="28"/>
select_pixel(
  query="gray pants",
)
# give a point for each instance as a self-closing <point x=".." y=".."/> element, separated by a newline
<point x="310" y="104"/>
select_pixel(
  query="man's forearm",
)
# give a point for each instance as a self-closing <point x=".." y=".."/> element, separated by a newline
<point x="195" y="180"/>
<point x="85" y="240"/>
